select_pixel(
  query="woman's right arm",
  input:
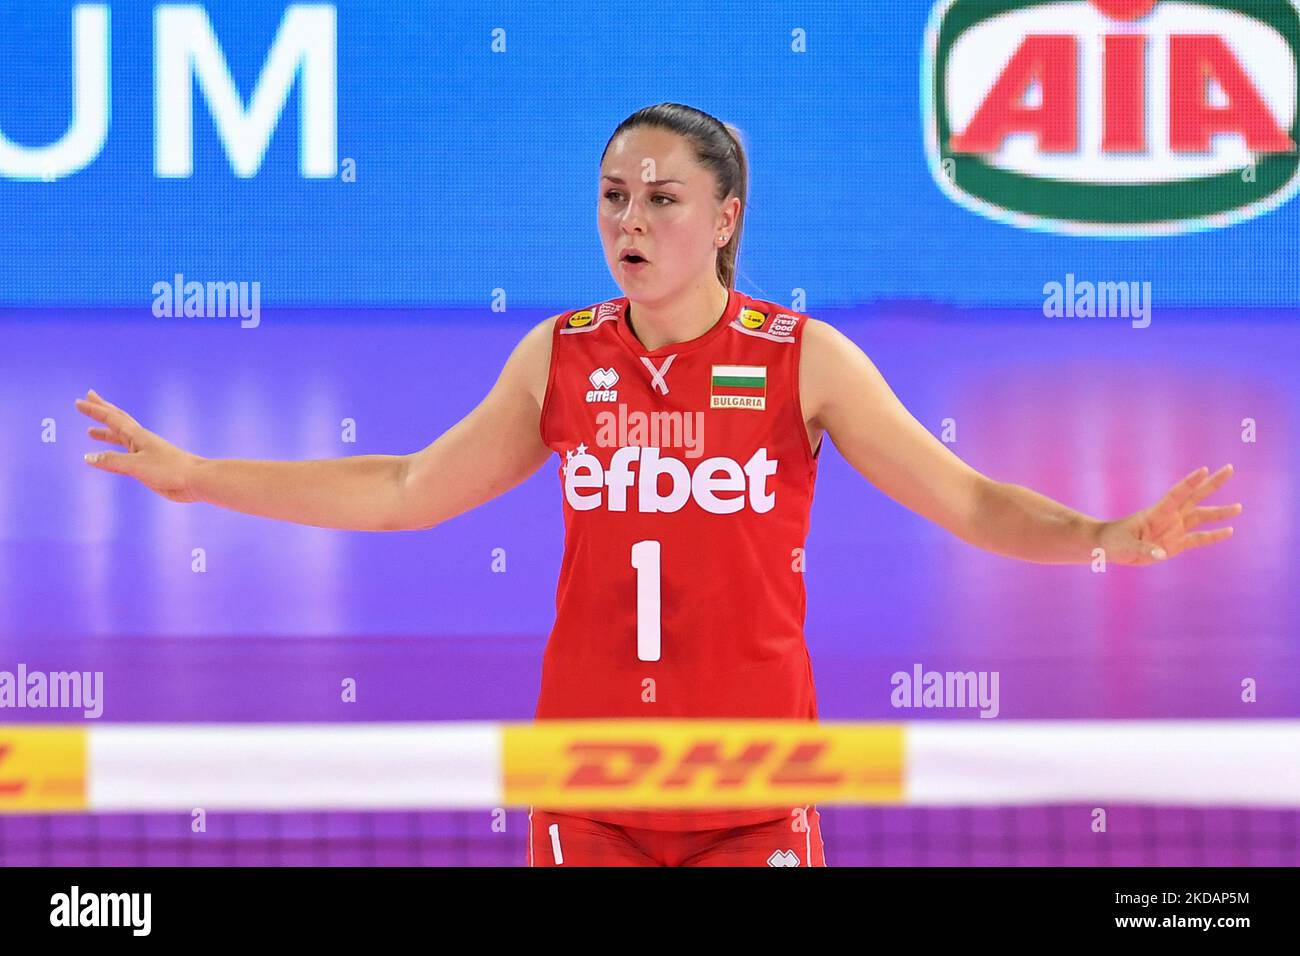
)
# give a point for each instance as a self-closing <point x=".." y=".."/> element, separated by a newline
<point x="489" y="451"/>
<point x="494" y="448"/>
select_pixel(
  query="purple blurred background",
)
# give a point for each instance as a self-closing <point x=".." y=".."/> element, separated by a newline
<point x="95" y="570"/>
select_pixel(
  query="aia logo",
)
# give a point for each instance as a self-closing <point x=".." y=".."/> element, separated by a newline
<point x="1114" y="117"/>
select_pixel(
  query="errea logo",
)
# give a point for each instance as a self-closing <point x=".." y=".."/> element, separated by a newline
<point x="602" y="388"/>
<point x="1118" y="118"/>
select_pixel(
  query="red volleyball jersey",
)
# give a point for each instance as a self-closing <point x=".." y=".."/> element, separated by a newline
<point x="687" y="481"/>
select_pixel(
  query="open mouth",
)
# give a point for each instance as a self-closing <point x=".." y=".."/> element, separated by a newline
<point x="634" y="258"/>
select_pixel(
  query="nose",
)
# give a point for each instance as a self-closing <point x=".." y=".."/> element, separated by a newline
<point x="632" y="221"/>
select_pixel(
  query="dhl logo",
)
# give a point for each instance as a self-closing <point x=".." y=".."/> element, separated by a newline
<point x="1114" y="117"/>
<point x="700" y="763"/>
<point x="42" y="769"/>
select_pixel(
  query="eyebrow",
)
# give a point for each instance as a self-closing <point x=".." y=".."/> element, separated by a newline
<point x="653" y="182"/>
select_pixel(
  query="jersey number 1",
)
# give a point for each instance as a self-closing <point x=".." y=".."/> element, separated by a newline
<point x="645" y="559"/>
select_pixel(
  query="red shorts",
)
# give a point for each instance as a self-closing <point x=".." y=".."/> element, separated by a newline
<point x="560" y="839"/>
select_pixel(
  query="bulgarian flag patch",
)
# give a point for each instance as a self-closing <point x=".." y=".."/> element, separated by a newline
<point x="738" y="386"/>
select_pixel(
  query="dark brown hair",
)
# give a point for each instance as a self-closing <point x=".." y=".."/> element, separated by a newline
<point x="717" y="148"/>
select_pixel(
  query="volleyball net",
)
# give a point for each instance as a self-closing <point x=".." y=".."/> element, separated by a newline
<point x="1196" y="792"/>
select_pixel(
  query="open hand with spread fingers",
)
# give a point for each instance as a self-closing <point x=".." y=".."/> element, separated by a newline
<point x="153" y="461"/>
<point x="1166" y="528"/>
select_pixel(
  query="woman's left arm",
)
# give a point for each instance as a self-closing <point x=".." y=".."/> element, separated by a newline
<point x="842" y="391"/>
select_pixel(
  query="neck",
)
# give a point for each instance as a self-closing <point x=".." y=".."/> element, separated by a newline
<point x="680" y="319"/>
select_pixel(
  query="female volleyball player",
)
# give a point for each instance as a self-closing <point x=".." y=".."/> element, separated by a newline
<point x="687" y="419"/>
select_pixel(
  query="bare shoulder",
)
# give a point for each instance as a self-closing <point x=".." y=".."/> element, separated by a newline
<point x="822" y="340"/>
<point x="530" y="363"/>
<point x="822" y="354"/>
<point x="828" y="355"/>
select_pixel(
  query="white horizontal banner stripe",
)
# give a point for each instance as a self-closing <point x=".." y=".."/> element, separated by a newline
<point x="180" y="767"/>
<point x="294" y="766"/>
<point x="741" y="371"/>
<point x="1193" y="762"/>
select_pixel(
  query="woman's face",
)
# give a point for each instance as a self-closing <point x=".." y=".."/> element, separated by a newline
<point x="656" y="198"/>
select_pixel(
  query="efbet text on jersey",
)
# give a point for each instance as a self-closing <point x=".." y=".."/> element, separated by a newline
<point x="585" y="480"/>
